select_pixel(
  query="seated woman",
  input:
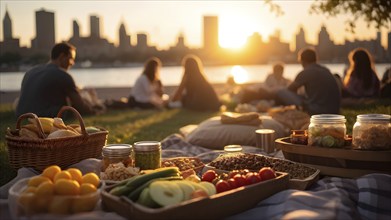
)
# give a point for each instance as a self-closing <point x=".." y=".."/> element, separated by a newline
<point x="147" y="92"/>
<point x="194" y="91"/>
<point x="361" y="80"/>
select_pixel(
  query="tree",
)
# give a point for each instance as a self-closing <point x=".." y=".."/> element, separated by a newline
<point x="376" y="12"/>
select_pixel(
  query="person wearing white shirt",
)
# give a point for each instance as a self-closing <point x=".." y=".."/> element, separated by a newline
<point x="147" y="91"/>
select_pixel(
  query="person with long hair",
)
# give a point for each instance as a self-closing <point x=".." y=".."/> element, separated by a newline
<point x="194" y="91"/>
<point x="147" y="91"/>
<point x="361" y="80"/>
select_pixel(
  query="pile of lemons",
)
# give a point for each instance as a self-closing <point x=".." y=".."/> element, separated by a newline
<point x="59" y="191"/>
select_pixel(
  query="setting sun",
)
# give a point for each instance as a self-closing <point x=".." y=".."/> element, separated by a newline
<point x="240" y="75"/>
<point x="232" y="33"/>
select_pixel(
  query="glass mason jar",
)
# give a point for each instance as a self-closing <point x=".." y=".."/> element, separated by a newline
<point x="147" y="155"/>
<point x="327" y="130"/>
<point x="233" y="149"/>
<point x="372" y="132"/>
<point x="116" y="153"/>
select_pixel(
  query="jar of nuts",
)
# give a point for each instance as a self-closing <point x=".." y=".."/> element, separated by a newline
<point x="116" y="153"/>
<point x="372" y="132"/>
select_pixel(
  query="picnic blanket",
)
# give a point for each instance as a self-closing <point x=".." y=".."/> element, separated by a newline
<point x="367" y="197"/>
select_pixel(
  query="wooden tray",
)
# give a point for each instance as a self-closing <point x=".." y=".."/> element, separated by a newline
<point x="337" y="162"/>
<point x="214" y="207"/>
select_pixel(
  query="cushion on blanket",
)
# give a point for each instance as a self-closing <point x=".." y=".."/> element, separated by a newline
<point x="213" y="134"/>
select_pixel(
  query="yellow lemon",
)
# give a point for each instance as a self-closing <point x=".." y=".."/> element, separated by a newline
<point x="91" y="178"/>
<point x="30" y="189"/>
<point x="66" y="187"/>
<point x="84" y="204"/>
<point x="87" y="188"/>
<point x="51" y="171"/>
<point x="41" y="203"/>
<point x="76" y="174"/>
<point x="37" y="180"/>
<point x="63" y="175"/>
<point x="26" y="201"/>
<point x="60" y="205"/>
<point x="45" y="189"/>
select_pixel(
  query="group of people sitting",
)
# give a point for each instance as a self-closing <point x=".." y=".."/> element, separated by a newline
<point x="46" y="88"/>
<point x="323" y="91"/>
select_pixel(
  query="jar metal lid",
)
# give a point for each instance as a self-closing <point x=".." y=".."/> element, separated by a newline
<point x="328" y="118"/>
<point x="374" y="117"/>
<point x="117" y="150"/>
<point x="233" y="148"/>
<point x="147" y="146"/>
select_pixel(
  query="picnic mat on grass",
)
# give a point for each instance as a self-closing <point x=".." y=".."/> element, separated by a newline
<point x="368" y="197"/>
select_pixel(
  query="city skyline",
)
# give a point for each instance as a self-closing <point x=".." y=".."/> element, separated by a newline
<point x="163" y="32"/>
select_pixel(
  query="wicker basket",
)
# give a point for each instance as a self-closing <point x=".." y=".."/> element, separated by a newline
<point x="41" y="153"/>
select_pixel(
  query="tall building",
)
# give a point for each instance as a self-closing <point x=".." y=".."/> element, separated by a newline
<point x="124" y="38"/>
<point x="325" y="45"/>
<point x="142" y="41"/>
<point x="211" y="33"/>
<point x="9" y="44"/>
<point x="7" y="26"/>
<point x="300" y="39"/>
<point x="94" y="26"/>
<point x="76" y="29"/>
<point x="44" y="31"/>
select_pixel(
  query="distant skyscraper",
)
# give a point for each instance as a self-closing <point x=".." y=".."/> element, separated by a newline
<point x="44" y="30"/>
<point x="300" y="40"/>
<point x="325" y="45"/>
<point x="76" y="29"/>
<point x="94" y="26"/>
<point x="142" y="41"/>
<point x="7" y="26"/>
<point x="211" y="32"/>
<point x="324" y="38"/>
<point x="124" y="38"/>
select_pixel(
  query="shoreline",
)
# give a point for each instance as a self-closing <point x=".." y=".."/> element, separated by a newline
<point x="8" y="97"/>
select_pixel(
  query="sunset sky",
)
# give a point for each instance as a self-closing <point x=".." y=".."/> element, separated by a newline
<point x="164" y="20"/>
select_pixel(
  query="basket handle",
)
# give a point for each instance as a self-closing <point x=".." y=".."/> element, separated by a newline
<point x="41" y="134"/>
<point x="77" y="115"/>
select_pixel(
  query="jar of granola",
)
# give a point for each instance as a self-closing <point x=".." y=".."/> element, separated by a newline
<point x="372" y="132"/>
<point x="116" y="153"/>
<point x="147" y="155"/>
<point x="327" y="130"/>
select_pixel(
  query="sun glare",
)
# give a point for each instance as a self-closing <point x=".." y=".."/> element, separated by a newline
<point x="232" y="33"/>
<point x="240" y="75"/>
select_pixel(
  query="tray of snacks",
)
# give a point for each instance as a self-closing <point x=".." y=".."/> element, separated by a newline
<point x="185" y="164"/>
<point x="300" y="176"/>
<point x="164" y="194"/>
<point x="55" y="193"/>
<point x="343" y="161"/>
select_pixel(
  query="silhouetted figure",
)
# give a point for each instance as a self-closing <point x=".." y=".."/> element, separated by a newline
<point x="147" y="92"/>
<point x="322" y="93"/>
<point x="385" y="90"/>
<point x="194" y="91"/>
<point x="274" y="82"/>
<point x="46" y="88"/>
<point x="361" y="80"/>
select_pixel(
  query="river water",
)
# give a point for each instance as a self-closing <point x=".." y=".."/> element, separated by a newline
<point x="171" y="75"/>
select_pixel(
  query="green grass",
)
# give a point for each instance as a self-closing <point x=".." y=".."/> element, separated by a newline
<point x="129" y="126"/>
